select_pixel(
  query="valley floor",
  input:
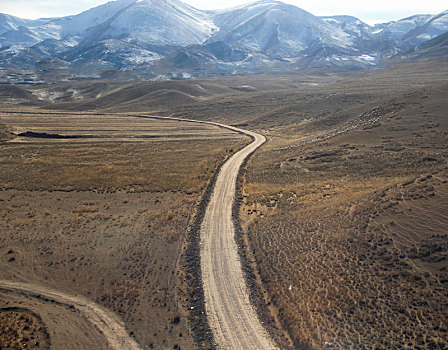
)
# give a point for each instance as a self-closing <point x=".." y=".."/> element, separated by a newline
<point x="343" y="214"/>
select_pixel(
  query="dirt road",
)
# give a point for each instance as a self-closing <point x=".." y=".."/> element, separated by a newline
<point x="109" y="325"/>
<point x="232" y="318"/>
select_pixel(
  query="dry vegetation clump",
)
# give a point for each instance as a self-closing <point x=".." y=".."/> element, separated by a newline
<point x="21" y="328"/>
<point x="5" y="133"/>
<point x="348" y="229"/>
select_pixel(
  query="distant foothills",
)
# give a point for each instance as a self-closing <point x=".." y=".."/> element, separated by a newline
<point x="160" y="39"/>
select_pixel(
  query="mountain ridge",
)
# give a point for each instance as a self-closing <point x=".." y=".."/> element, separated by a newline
<point x="152" y="37"/>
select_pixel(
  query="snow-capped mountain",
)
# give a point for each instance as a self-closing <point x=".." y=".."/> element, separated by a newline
<point x="171" y="36"/>
<point x="277" y="29"/>
<point x="155" y="22"/>
<point x="398" y="29"/>
<point x="435" y="26"/>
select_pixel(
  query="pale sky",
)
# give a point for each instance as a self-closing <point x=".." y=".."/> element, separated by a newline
<point x="373" y="11"/>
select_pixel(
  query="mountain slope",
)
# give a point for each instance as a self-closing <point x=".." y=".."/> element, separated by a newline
<point x="29" y="36"/>
<point x="435" y="26"/>
<point x="155" y="22"/>
<point x="277" y="29"/>
<point x="435" y="49"/>
<point x="396" y="30"/>
<point x="8" y="22"/>
<point x="160" y="22"/>
<point x="350" y="25"/>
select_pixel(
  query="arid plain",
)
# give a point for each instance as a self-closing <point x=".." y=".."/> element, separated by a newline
<point x="342" y="214"/>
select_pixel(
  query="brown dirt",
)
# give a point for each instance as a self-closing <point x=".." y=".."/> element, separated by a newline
<point x="65" y="328"/>
<point x="328" y="192"/>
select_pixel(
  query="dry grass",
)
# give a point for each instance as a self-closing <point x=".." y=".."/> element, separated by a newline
<point x="106" y="156"/>
<point x="348" y="236"/>
<point x="111" y="167"/>
<point x="349" y="231"/>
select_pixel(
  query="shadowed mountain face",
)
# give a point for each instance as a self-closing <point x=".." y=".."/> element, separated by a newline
<point x="172" y="39"/>
<point x="434" y="49"/>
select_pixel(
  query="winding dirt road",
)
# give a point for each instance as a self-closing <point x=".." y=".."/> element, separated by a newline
<point x="231" y="316"/>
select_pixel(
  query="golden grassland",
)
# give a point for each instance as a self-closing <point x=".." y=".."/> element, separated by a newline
<point x="130" y="167"/>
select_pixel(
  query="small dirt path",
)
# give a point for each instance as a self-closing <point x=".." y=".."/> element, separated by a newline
<point x="109" y="325"/>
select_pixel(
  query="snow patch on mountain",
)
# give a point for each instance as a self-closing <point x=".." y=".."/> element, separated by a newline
<point x="29" y="36"/>
<point x="349" y="25"/>
<point x="398" y="29"/>
<point x="8" y="22"/>
<point x="78" y="24"/>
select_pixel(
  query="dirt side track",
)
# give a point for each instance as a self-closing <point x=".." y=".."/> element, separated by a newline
<point x="110" y="326"/>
